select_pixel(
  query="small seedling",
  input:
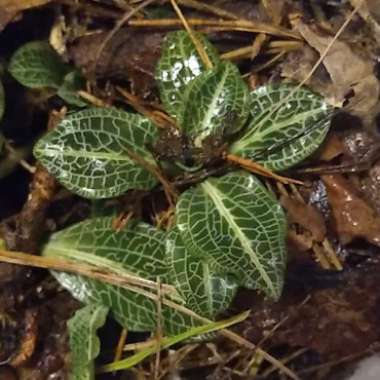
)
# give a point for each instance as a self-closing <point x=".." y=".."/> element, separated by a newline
<point x="37" y="65"/>
<point x="229" y="230"/>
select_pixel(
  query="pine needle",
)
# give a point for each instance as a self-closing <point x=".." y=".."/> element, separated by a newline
<point x="200" y="49"/>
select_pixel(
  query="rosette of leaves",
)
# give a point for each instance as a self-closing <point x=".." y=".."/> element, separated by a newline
<point x="37" y="65"/>
<point x="229" y="231"/>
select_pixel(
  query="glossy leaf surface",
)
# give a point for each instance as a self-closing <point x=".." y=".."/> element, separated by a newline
<point x="179" y="64"/>
<point x="84" y="343"/>
<point x="216" y="104"/>
<point x="137" y="250"/>
<point x="285" y="137"/>
<point x="204" y="291"/>
<point x="89" y="152"/>
<point x="237" y="224"/>
<point x="36" y="64"/>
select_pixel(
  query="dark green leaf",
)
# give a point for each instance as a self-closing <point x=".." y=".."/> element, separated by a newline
<point x="236" y="224"/>
<point x="179" y="64"/>
<point x="204" y="291"/>
<point x="36" y="64"/>
<point x="136" y="250"/>
<point x="216" y="104"/>
<point x="72" y="83"/>
<point x="285" y="137"/>
<point x="84" y="343"/>
<point x="89" y="152"/>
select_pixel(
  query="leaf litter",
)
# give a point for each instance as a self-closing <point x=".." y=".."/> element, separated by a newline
<point x="344" y="304"/>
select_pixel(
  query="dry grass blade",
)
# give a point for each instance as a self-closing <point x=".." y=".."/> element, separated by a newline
<point x="286" y="360"/>
<point x="92" y="99"/>
<point x="256" y="168"/>
<point x="269" y="358"/>
<point x="241" y="25"/>
<point x="273" y="46"/>
<point x="159" y="118"/>
<point x="208" y="8"/>
<point x="98" y="273"/>
<point x="18" y="156"/>
<point x="120" y="345"/>
<point x="170" y="192"/>
<point x="200" y="49"/>
<point x="257" y="45"/>
<point x="159" y="334"/>
<point x="136" y="285"/>
<point x="269" y="63"/>
<point x="331" y="254"/>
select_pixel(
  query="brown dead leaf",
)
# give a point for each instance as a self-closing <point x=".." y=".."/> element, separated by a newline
<point x="369" y="11"/>
<point x="10" y="9"/>
<point x="370" y="186"/>
<point x="6" y="17"/>
<point x="21" y="5"/>
<point x="298" y="241"/>
<point x="130" y="55"/>
<point x="306" y="216"/>
<point x="275" y="9"/>
<point x="353" y="217"/>
<point x="348" y="72"/>
<point x="331" y="148"/>
<point x="297" y="65"/>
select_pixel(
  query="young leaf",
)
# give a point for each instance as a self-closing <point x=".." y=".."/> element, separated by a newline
<point x="2" y="101"/>
<point x="204" y="291"/>
<point x="234" y="222"/>
<point x="179" y="64"/>
<point x="138" y="250"/>
<point x="72" y="83"/>
<point x="216" y="103"/>
<point x="36" y="64"/>
<point x="90" y="152"/>
<point x="84" y="343"/>
<point x="281" y="139"/>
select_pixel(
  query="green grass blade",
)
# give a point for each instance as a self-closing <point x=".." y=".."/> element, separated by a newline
<point x="170" y="341"/>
